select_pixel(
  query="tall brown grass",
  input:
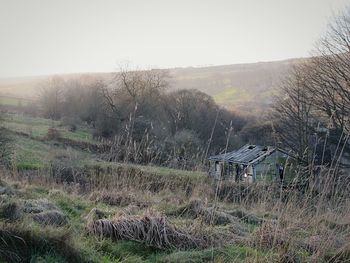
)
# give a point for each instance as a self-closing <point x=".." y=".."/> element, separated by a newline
<point x="290" y="219"/>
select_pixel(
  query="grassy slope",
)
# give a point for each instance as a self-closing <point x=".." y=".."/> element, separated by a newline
<point x="76" y="208"/>
<point x="280" y="237"/>
<point x="28" y="154"/>
<point x="38" y="127"/>
<point x="163" y="191"/>
<point x="34" y="152"/>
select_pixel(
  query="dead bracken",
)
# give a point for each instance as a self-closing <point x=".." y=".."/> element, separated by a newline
<point x="150" y="230"/>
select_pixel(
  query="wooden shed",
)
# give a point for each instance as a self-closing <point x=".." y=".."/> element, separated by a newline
<point x="249" y="163"/>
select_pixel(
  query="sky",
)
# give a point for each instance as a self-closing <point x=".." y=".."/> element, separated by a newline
<point x="41" y="37"/>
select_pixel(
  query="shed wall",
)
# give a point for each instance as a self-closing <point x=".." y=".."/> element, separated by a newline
<point x="266" y="170"/>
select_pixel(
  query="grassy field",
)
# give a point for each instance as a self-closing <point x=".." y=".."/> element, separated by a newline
<point x="38" y="127"/>
<point x="29" y="148"/>
<point x="31" y="154"/>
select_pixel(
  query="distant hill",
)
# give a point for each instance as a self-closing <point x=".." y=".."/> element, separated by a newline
<point x="241" y="87"/>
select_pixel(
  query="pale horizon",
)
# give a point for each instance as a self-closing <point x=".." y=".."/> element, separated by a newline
<point x="41" y="38"/>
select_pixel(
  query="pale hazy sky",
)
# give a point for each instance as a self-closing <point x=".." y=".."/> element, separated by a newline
<point x="40" y="37"/>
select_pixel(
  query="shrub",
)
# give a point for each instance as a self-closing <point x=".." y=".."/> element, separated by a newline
<point x="71" y="122"/>
<point x="53" y="134"/>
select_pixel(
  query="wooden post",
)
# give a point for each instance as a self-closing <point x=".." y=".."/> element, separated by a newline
<point x="254" y="172"/>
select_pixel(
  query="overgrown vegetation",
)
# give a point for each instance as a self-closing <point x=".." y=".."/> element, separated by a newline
<point x="168" y="223"/>
<point x="116" y="171"/>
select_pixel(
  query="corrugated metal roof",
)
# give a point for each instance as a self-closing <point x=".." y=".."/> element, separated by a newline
<point x="247" y="154"/>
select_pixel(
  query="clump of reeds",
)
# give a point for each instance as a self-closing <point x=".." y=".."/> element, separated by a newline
<point x="154" y="231"/>
<point x="270" y="235"/>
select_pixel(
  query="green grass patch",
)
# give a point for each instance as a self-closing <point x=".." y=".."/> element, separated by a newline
<point x="125" y="250"/>
<point x="194" y="256"/>
<point x="12" y="101"/>
<point x="73" y="207"/>
<point x="29" y="166"/>
<point x="230" y="253"/>
<point x="82" y="134"/>
<point x="30" y="154"/>
<point x="228" y="94"/>
<point x="38" y="127"/>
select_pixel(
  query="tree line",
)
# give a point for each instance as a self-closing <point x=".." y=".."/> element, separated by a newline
<point x="147" y="123"/>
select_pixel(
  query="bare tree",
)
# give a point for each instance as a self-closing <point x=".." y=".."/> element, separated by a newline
<point x="317" y="93"/>
<point x="329" y="72"/>
<point x="293" y="113"/>
<point x="51" y="97"/>
<point x="134" y="97"/>
<point x="134" y="88"/>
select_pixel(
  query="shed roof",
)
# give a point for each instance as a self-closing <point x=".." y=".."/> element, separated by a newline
<point x="246" y="154"/>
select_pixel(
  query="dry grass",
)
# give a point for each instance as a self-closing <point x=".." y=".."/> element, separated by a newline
<point x="119" y="198"/>
<point x="210" y="215"/>
<point x="150" y="230"/>
<point x="310" y="224"/>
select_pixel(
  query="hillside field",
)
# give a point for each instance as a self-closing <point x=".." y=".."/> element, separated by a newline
<point x="61" y="201"/>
